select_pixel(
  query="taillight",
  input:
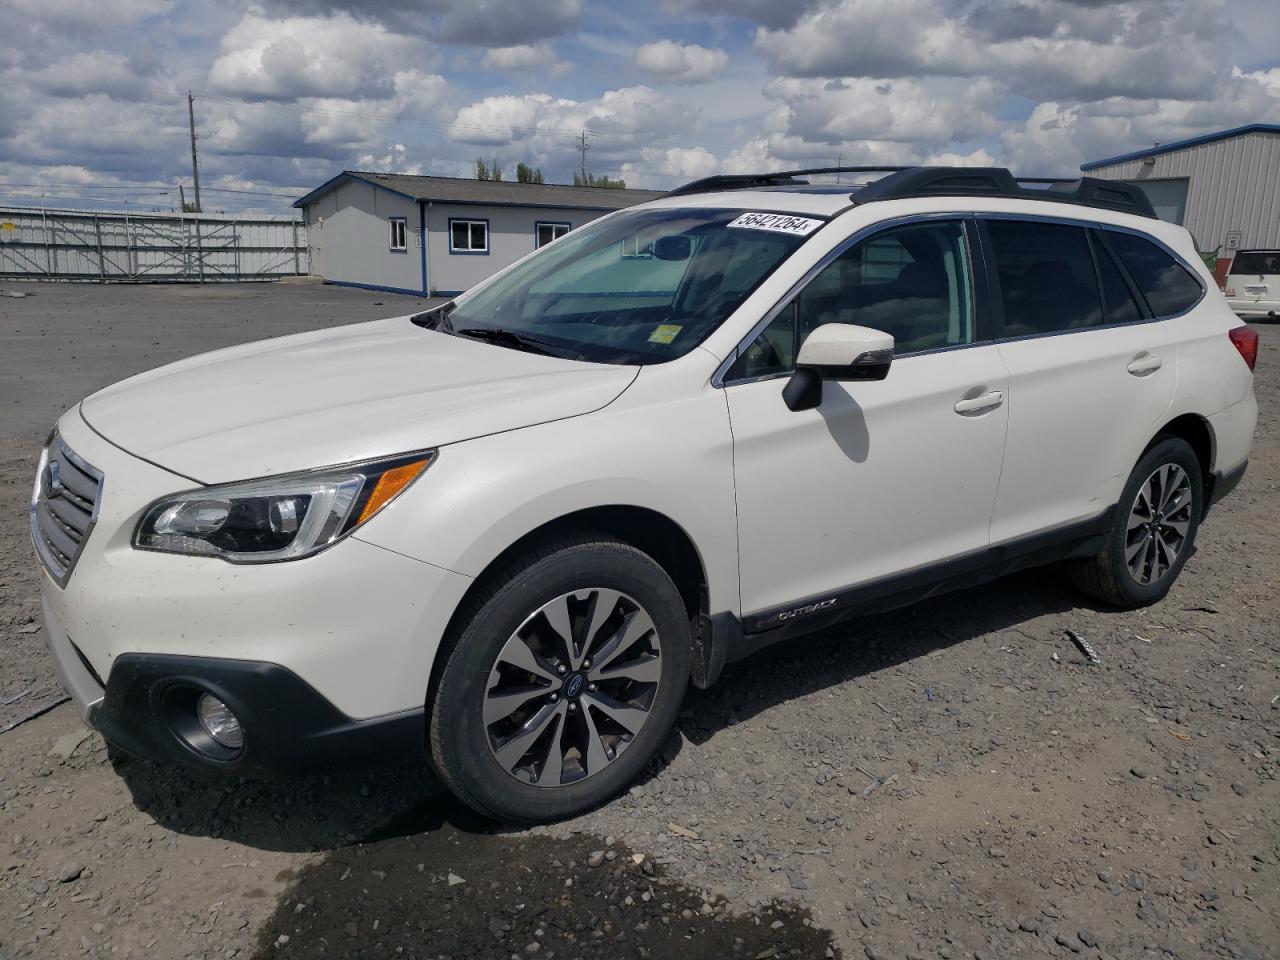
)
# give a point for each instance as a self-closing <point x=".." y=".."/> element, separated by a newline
<point x="1246" y="341"/>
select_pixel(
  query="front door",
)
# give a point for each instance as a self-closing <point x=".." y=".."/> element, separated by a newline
<point x="882" y="477"/>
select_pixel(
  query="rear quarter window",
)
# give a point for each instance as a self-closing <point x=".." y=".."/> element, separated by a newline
<point x="1168" y="286"/>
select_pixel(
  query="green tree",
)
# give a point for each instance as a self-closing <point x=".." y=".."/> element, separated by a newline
<point x="601" y="181"/>
<point x="488" y="171"/>
<point x="528" y="174"/>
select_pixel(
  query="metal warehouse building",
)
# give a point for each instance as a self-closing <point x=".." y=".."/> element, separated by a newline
<point x="437" y="236"/>
<point x="1224" y="187"/>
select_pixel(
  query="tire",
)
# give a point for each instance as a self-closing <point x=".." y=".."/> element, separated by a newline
<point x="504" y="649"/>
<point x="1135" y="568"/>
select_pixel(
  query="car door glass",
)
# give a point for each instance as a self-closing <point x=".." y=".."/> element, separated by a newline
<point x="911" y="281"/>
<point x="1167" y="285"/>
<point x="1047" y="280"/>
<point x="1117" y="300"/>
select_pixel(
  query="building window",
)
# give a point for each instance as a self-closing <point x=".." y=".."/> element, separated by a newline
<point x="546" y="232"/>
<point x="468" y="236"/>
<point x="399" y="237"/>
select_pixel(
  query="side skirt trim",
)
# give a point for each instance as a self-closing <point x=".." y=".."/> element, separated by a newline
<point x="762" y="629"/>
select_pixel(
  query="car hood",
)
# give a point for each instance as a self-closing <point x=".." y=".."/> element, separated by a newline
<point x="338" y="396"/>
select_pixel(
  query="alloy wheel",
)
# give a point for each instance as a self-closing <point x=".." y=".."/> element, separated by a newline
<point x="1159" y="522"/>
<point x="571" y="688"/>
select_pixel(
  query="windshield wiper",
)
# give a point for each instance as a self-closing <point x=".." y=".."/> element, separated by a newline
<point x="518" y="341"/>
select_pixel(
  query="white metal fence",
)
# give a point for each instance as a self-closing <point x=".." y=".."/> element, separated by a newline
<point x="41" y="244"/>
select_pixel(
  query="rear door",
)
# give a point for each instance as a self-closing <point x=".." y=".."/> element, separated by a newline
<point x="1091" y="372"/>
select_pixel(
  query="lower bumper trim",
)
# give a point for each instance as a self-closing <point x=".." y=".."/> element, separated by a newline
<point x="1223" y="482"/>
<point x="289" y="727"/>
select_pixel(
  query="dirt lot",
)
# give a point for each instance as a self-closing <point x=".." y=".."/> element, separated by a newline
<point x="954" y="781"/>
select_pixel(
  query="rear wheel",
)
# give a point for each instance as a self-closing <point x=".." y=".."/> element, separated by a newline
<point x="561" y="681"/>
<point x="1153" y="531"/>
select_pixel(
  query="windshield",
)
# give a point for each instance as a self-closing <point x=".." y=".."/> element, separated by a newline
<point x="1258" y="262"/>
<point x="639" y="287"/>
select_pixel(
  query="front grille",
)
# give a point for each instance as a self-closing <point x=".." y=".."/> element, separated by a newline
<point x="64" y="508"/>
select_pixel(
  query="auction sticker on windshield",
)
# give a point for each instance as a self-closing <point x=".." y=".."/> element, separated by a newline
<point x="777" y="223"/>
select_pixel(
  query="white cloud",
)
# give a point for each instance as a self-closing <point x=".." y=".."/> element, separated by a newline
<point x="526" y="56"/>
<point x="660" y="167"/>
<point x="908" y="111"/>
<point x="337" y="56"/>
<point x="96" y="71"/>
<point x="771" y="13"/>
<point x="502" y="23"/>
<point x="681" y="63"/>
<point x="81" y="14"/>
<point x="1060" y="53"/>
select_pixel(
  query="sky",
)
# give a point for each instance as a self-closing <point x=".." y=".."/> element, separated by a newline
<point x="93" y="93"/>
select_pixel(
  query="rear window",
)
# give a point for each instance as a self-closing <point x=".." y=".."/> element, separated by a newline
<point x="1167" y="285"/>
<point x="1259" y="262"/>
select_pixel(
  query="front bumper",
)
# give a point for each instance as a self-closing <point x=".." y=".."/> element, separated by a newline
<point x="345" y="639"/>
<point x="148" y="710"/>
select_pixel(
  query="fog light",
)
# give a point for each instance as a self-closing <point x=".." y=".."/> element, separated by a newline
<point x="219" y="722"/>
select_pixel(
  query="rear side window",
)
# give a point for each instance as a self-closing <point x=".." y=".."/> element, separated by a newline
<point x="1117" y="300"/>
<point x="1047" y="280"/>
<point x="1167" y="285"/>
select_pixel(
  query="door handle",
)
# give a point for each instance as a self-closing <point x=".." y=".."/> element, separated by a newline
<point x="976" y="405"/>
<point x="1143" y="366"/>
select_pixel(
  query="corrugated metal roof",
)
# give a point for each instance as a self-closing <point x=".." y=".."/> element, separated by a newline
<point x="499" y="192"/>
<point x="1183" y="144"/>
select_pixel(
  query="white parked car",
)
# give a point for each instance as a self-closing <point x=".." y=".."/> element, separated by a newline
<point x="506" y="534"/>
<point x="1253" y="285"/>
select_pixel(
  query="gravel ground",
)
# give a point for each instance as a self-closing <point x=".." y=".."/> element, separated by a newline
<point x="955" y="780"/>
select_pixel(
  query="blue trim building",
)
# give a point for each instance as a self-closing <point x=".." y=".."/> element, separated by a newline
<point x="1224" y="187"/>
<point x="352" y="234"/>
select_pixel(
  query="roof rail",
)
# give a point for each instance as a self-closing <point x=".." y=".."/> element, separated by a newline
<point x="782" y="178"/>
<point x="903" y="182"/>
<point x="999" y="182"/>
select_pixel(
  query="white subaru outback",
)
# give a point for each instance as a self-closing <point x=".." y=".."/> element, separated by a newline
<point x="505" y="535"/>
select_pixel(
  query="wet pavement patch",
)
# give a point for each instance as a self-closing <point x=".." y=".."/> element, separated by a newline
<point x="454" y="894"/>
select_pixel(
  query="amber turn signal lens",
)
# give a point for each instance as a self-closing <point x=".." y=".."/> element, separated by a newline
<point x="388" y="485"/>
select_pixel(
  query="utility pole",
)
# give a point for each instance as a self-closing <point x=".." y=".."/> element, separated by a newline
<point x="195" y="164"/>
<point x="182" y="200"/>
<point x="583" y="147"/>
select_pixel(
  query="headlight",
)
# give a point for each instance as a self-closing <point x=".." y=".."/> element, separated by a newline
<point x="280" y="518"/>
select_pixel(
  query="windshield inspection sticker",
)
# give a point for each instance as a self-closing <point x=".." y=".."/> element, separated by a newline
<point x="777" y="223"/>
<point x="665" y="332"/>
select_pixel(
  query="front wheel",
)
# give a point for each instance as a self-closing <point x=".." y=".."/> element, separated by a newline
<point x="561" y="680"/>
<point x="1153" y="531"/>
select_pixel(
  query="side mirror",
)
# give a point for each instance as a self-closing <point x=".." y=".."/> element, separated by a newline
<point x="837" y="351"/>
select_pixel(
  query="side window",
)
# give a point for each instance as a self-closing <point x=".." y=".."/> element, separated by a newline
<point x="468" y="236"/>
<point x="547" y="232"/>
<point x="398" y="236"/>
<point x="1117" y="300"/>
<point x="912" y="282"/>
<point x="1047" y="280"/>
<point x="1166" y="284"/>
